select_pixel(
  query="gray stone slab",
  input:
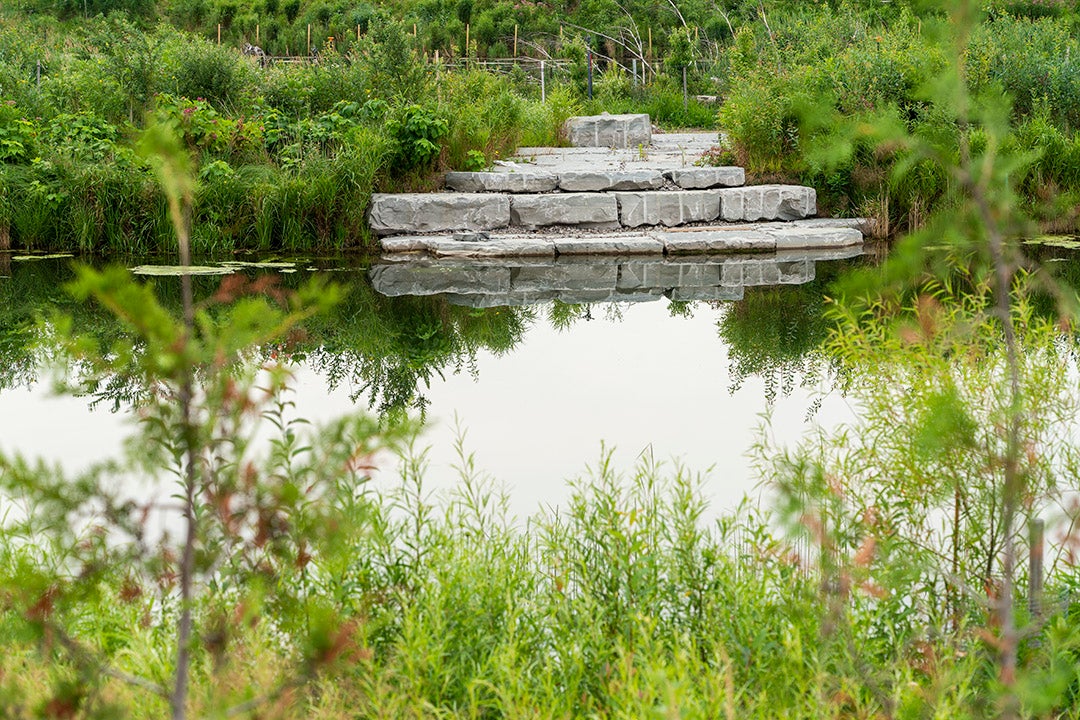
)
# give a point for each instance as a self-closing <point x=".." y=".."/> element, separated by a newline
<point x="815" y="254"/>
<point x="661" y="274"/>
<point x="609" y="245"/>
<point x="859" y="224"/>
<point x="605" y="180"/>
<point x="716" y="241"/>
<point x="669" y="207"/>
<point x="814" y="237"/>
<point x="718" y="292"/>
<point x="767" y="202"/>
<point x="617" y="131"/>
<point x="636" y="296"/>
<point x="423" y="279"/>
<point x="795" y="272"/>
<point x="576" y="276"/>
<point x="588" y="210"/>
<point x="405" y="243"/>
<point x="700" y="178"/>
<point x="492" y="248"/>
<point x="405" y="213"/>
<point x="582" y="297"/>
<point x="504" y="299"/>
<point x="505" y="182"/>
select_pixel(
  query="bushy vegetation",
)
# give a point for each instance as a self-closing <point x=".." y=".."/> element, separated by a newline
<point x="793" y="80"/>
<point x="288" y="156"/>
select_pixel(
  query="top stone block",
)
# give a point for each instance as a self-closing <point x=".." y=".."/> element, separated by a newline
<point x="617" y="131"/>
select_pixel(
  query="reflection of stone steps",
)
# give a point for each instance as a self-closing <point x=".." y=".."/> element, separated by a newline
<point x="526" y="281"/>
<point x="621" y="185"/>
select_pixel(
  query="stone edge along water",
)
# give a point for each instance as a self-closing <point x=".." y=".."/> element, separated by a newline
<point x="758" y="237"/>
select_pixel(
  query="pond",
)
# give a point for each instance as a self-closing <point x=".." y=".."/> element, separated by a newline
<point x="543" y="367"/>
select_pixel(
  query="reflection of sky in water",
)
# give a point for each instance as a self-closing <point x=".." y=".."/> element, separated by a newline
<point x="536" y="416"/>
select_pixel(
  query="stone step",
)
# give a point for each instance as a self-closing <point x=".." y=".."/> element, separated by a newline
<point x="408" y="213"/>
<point x="609" y="131"/>
<point x="523" y="179"/>
<point x="597" y="279"/>
<point x="818" y="235"/>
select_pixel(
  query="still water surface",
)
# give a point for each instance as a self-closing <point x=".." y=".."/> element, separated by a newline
<point x="654" y="378"/>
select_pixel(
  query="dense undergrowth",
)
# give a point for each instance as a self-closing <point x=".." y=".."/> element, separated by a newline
<point x="289" y="154"/>
<point x="789" y="88"/>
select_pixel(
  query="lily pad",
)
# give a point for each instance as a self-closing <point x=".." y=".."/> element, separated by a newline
<point x="1069" y="242"/>
<point x="265" y="265"/>
<point x="53" y="256"/>
<point x="177" y="270"/>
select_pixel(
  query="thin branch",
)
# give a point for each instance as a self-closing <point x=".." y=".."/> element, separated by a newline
<point x="86" y="657"/>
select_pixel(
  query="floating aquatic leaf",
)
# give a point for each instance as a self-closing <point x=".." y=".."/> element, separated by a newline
<point x="1069" y="242"/>
<point x="53" y="256"/>
<point x="176" y="270"/>
<point x="267" y="265"/>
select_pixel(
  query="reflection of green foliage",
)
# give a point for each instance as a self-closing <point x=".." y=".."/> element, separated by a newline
<point x="387" y="348"/>
<point x="775" y="333"/>
<point x="391" y="348"/>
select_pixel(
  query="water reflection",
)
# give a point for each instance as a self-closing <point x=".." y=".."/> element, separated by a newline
<point x="406" y="323"/>
<point x="537" y="386"/>
<point x="579" y="280"/>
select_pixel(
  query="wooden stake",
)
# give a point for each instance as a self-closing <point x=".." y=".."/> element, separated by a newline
<point x="219" y="34"/>
<point x="414" y="30"/>
<point x="357" y="32"/>
<point x="466" y="40"/>
<point x="256" y="34"/>
<point x="309" y="39"/>
<point x="515" y="39"/>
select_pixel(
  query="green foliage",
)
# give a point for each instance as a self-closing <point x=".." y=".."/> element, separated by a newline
<point x="416" y="131"/>
<point x="17" y="135"/>
<point x="199" y="69"/>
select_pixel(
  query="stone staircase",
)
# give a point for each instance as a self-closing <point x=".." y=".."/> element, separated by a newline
<point x="648" y="199"/>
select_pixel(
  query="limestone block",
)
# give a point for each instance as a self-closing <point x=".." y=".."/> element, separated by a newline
<point x="816" y="254"/>
<point x="716" y="241"/>
<point x="795" y="272"/>
<point x="405" y="243"/>
<point x="566" y="276"/>
<point x="506" y="299"/>
<point x="589" y="210"/>
<point x="618" y="131"/>
<point x="609" y="245"/>
<point x="700" y="178"/>
<point x="602" y="181"/>
<point x="506" y="182"/>
<point x="642" y="295"/>
<point x="660" y="274"/>
<point x="494" y="248"/>
<point x="581" y="297"/>
<point x="670" y="208"/>
<point x="814" y="237"/>
<point x="437" y="212"/>
<point x="767" y="202"/>
<point x="424" y="279"/>
<point x="717" y="292"/>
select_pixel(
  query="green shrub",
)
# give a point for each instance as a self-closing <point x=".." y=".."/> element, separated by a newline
<point x="417" y="132"/>
<point x="200" y="69"/>
<point x="17" y="135"/>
